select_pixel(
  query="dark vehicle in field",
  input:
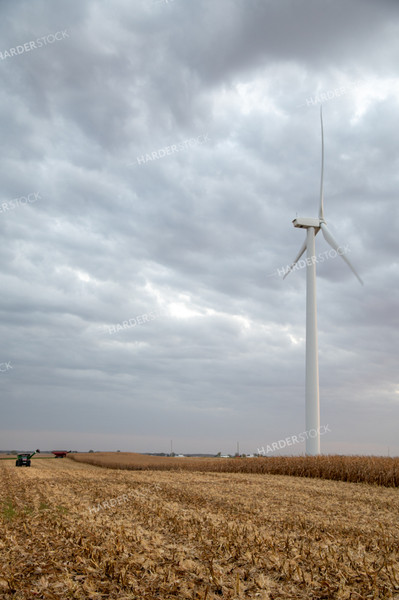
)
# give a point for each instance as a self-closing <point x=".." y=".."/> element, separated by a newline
<point x="23" y="458"/>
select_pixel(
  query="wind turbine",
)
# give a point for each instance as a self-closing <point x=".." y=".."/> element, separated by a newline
<point x="313" y="227"/>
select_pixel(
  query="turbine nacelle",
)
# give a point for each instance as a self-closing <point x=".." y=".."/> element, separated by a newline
<point x="305" y="222"/>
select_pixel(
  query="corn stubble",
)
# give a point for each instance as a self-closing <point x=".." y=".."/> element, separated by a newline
<point x="193" y="535"/>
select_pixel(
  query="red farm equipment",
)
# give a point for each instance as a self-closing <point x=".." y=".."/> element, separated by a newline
<point x="60" y="453"/>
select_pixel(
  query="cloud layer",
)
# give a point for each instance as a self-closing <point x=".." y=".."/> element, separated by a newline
<point x="196" y="235"/>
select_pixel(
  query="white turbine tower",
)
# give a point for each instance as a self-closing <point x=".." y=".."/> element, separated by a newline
<point x="313" y="227"/>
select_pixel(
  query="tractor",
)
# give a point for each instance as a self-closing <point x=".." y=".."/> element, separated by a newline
<point x="23" y="459"/>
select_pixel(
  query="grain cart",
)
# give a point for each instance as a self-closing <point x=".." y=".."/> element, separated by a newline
<point x="23" y="459"/>
<point x="60" y="453"/>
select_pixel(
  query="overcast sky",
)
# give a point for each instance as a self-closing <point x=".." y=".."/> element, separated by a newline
<point x="154" y="155"/>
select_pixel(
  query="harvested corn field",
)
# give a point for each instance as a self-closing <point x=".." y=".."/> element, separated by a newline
<point x="376" y="470"/>
<point x="71" y="530"/>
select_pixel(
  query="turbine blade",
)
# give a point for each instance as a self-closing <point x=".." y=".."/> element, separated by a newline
<point x="330" y="240"/>
<point x="321" y="208"/>
<point x="301" y="251"/>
